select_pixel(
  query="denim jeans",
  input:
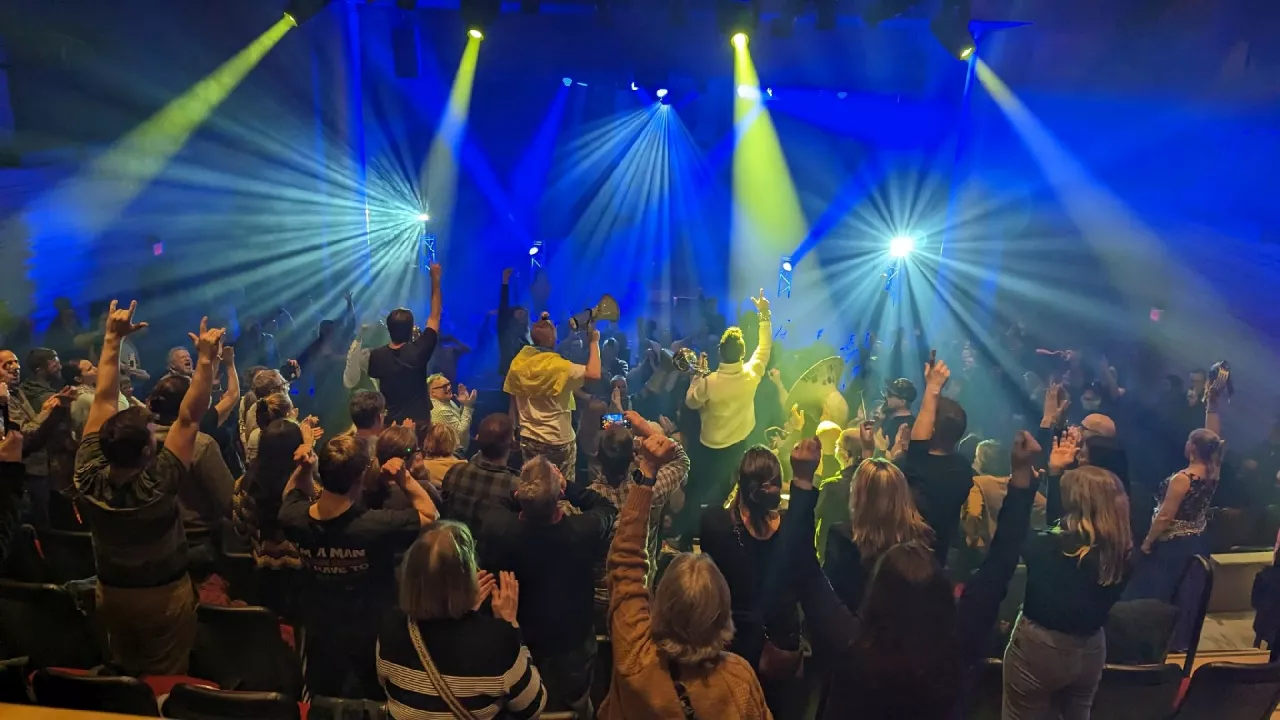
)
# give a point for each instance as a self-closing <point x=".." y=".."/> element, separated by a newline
<point x="1051" y="674"/>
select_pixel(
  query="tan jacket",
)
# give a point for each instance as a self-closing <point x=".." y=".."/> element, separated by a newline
<point x="641" y="687"/>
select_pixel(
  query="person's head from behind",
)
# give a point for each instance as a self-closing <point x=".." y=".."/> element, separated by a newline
<point x="949" y="425"/>
<point x="441" y="441"/>
<point x="273" y="407"/>
<point x="1097" y="425"/>
<point x="165" y="399"/>
<point x="1172" y="384"/>
<point x="180" y="361"/>
<point x="271" y="469"/>
<point x="968" y="447"/>
<point x="1104" y="452"/>
<point x="343" y="462"/>
<point x="250" y="374"/>
<point x="439" y="388"/>
<point x="882" y="512"/>
<point x="399" y="441"/>
<point x="368" y="408"/>
<point x="400" y="326"/>
<point x="615" y="452"/>
<point x="44" y="365"/>
<point x="691" y="618"/>
<point x="849" y="447"/>
<point x="494" y="438"/>
<point x="732" y="346"/>
<point x="899" y="394"/>
<point x="128" y="439"/>
<point x="609" y="350"/>
<point x="543" y="332"/>
<point x="991" y="459"/>
<point x="266" y="383"/>
<point x="438" y="574"/>
<point x="539" y="490"/>
<point x="1095" y="508"/>
<point x="1205" y="447"/>
<point x="759" y="486"/>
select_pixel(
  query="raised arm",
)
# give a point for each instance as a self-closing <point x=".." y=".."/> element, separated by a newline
<point x="935" y="376"/>
<point x="437" y="298"/>
<point x="357" y="364"/>
<point x="760" y="358"/>
<point x="230" y="399"/>
<point x="504" y="302"/>
<point x="627" y="568"/>
<point x="394" y="470"/>
<point x="119" y="326"/>
<point x="593" y="354"/>
<point x="181" y="440"/>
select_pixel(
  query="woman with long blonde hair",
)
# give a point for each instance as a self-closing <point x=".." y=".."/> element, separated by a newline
<point x="1075" y="572"/>
<point x="882" y="514"/>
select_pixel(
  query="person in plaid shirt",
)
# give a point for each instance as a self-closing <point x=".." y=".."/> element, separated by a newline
<point x="471" y="489"/>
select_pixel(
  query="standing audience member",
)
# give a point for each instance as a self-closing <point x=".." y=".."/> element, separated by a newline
<point x="669" y="647"/>
<point x="940" y="477"/>
<point x="438" y="448"/>
<point x="276" y="406"/>
<point x="451" y="411"/>
<point x="263" y="383"/>
<point x="178" y="363"/>
<point x="217" y="422"/>
<point x="400" y="367"/>
<point x="368" y="408"/>
<point x="12" y="476"/>
<point x="439" y="635"/>
<point x="882" y="514"/>
<point x="470" y="491"/>
<point x="398" y="441"/>
<point x="744" y="542"/>
<point x="726" y="401"/>
<point x="348" y="555"/>
<point x="554" y="556"/>
<point x="1075" y="573"/>
<point x="898" y="397"/>
<point x="62" y="332"/>
<point x="127" y="492"/>
<point x="513" y="326"/>
<point x="853" y="446"/>
<point x="39" y="428"/>
<point x="909" y="648"/>
<point x="204" y="496"/>
<point x="541" y="385"/>
<point x="82" y="380"/>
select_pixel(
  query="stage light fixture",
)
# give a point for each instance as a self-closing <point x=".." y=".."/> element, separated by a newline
<point x="901" y="246"/>
<point x="634" y="87"/>
<point x="661" y="93"/>
<point x="748" y="92"/>
<point x="478" y="15"/>
<point x="300" y="11"/>
<point x="738" y="18"/>
<point x="566" y="81"/>
<point x="476" y="33"/>
<point x="951" y="27"/>
<point x="768" y="91"/>
<point x="786" y="265"/>
<point x="740" y="40"/>
<point x="536" y="256"/>
<point x="424" y="217"/>
<point x="784" y="277"/>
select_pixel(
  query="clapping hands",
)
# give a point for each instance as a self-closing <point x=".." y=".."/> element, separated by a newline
<point x="464" y="397"/>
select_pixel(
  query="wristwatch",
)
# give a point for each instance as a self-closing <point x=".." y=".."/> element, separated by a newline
<point x="645" y="481"/>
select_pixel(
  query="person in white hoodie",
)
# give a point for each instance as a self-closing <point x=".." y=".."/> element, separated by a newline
<point x="726" y="401"/>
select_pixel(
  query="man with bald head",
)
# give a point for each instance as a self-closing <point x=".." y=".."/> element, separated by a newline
<point x="1097" y="425"/>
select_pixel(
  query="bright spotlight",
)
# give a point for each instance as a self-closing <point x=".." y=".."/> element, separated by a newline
<point x="424" y="217"/>
<point x="634" y="87"/>
<point x="786" y="266"/>
<point x="300" y="11"/>
<point x="747" y="92"/>
<point x="901" y="246"/>
<point x="662" y="92"/>
<point x="769" y="92"/>
<point x="476" y="34"/>
<point x="965" y="52"/>
<point x="567" y="81"/>
<point x="740" y="40"/>
<point x="534" y="250"/>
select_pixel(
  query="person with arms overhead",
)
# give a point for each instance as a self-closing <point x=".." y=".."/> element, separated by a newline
<point x="127" y="491"/>
<point x="541" y="384"/>
<point x="400" y="367"/>
<point x="940" y="478"/>
<point x="726" y="401"/>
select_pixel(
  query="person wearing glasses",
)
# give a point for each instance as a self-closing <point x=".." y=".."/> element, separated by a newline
<point x="450" y="409"/>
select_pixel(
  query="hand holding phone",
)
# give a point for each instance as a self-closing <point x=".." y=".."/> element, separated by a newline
<point x="609" y="419"/>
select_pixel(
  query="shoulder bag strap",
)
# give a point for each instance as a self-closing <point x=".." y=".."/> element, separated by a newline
<point x="429" y="666"/>
<point x="682" y="693"/>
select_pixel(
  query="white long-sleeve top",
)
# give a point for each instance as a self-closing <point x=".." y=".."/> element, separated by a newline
<point x="726" y="398"/>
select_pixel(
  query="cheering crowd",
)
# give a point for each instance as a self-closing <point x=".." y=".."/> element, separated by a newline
<point x="454" y="564"/>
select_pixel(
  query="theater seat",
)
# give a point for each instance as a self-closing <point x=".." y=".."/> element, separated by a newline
<point x="1139" y="632"/>
<point x="327" y="708"/>
<point x="68" y="555"/>
<point x="44" y="623"/>
<point x="192" y="702"/>
<point x="130" y="696"/>
<point x="1231" y="691"/>
<point x="986" y="696"/>
<point x="13" y="682"/>
<point x="1137" y="693"/>
<point x="240" y="648"/>
<point x="24" y="563"/>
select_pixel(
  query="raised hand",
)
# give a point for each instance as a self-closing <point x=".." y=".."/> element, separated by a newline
<point x="668" y="426"/>
<point x="867" y="434"/>
<point x="120" y="322"/>
<point x="305" y="455"/>
<point x="506" y="275"/>
<point x="805" y="457"/>
<point x="4" y="393"/>
<point x="209" y="342"/>
<point x="656" y="451"/>
<point x="1025" y="449"/>
<point x="464" y="397"/>
<point x="486" y="583"/>
<point x="436" y="272"/>
<point x="1065" y="451"/>
<point x="1055" y="404"/>
<point x="61" y="399"/>
<point x="640" y="427"/>
<point x="228" y="355"/>
<point x="761" y="303"/>
<point x="936" y="375"/>
<point x="506" y="597"/>
<point x="393" y="470"/>
<point x="901" y="442"/>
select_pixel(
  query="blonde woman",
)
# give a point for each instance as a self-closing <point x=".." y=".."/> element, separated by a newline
<point x="669" y="658"/>
<point x="1075" y="573"/>
<point x="882" y="514"/>
<point x="438" y="449"/>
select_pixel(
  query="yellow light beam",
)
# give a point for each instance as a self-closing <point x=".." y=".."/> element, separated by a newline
<point x="767" y="219"/>
<point x="439" y="181"/>
<point x="111" y="181"/>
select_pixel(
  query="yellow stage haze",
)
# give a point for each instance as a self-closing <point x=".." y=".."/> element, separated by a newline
<point x="439" y="181"/>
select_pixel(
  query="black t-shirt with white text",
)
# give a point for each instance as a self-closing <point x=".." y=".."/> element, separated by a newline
<point x="349" y="559"/>
<point x="402" y="377"/>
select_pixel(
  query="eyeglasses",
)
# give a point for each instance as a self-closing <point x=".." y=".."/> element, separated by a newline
<point x="446" y="386"/>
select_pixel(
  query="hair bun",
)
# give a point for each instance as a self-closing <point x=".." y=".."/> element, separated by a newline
<point x="767" y="497"/>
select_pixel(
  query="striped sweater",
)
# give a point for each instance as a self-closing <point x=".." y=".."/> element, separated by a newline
<point x="481" y="658"/>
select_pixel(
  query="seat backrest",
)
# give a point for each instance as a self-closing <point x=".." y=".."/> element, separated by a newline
<point x="1139" y="632"/>
<point x="326" y="708"/>
<point x="13" y="682"/>
<point x="192" y="702"/>
<point x="1137" y="692"/>
<point x="24" y="563"/>
<point x="44" y="623"/>
<point x="68" y="555"/>
<point x="131" y="696"/>
<point x="1231" y="691"/>
<point x="1192" y="594"/>
<point x="986" y="693"/>
<point x="240" y="648"/>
